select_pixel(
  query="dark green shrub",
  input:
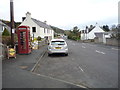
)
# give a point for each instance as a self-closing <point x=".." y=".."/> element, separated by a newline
<point x="39" y="38"/>
<point x="5" y="32"/>
<point x="6" y="40"/>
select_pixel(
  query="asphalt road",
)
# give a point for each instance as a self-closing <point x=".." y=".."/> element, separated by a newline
<point x="16" y="73"/>
<point x="91" y="65"/>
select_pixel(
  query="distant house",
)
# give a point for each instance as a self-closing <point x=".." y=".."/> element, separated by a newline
<point x="85" y="34"/>
<point x="38" y="28"/>
<point x="97" y="29"/>
<point x="3" y="26"/>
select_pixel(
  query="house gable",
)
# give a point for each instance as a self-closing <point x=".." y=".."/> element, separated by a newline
<point x="41" y="28"/>
<point x="97" y="29"/>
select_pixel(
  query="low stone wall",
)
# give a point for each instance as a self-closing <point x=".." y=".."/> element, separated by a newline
<point x="4" y="51"/>
<point x="87" y="41"/>
<point x="112" y="41"/>
<point x="96" y="40"/>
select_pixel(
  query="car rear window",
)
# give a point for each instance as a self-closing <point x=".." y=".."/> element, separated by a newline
<point x="57" y="43"/>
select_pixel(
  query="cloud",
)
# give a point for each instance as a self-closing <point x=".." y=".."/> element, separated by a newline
<point x="63" y="13"/>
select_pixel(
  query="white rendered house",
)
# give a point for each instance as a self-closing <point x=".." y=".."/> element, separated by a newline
<point x="97" y="29"/>
<point x="85" y="34"/>
<point x="37" y="28"/>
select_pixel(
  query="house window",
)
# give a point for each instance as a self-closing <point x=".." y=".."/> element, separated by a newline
<point x="33" y="29"/>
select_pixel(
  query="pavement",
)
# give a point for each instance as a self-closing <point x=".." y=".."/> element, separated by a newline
<point x="16" y="73"/>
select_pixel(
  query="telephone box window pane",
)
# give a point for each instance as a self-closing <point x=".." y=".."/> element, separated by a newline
<point x="34" y="29"/>
<point x="23" y="40"/>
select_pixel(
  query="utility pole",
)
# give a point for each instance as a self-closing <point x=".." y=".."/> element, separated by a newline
<point x="12" y="22"/>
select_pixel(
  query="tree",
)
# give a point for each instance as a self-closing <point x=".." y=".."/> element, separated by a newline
<point x="91" y="28"/>
<point x="106" y="28"/>
<point x="5" y="32"/>
<point x="115" y="31"/>
<point x="75" y="30"/>
<point x="75" y="34"/>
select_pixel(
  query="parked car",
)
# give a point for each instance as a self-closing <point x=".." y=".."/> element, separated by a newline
<point x="57" y="46"/>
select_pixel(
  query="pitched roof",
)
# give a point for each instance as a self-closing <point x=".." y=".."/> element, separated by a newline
<point x="41" y="24"/>
<point x="1" y="23"/>
<point x="97" y="29"/>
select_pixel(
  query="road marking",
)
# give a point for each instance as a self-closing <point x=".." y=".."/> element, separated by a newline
<point x="83" y="47"/>
<point x="81" y="86"/>
<point x="115" y="49"/>
<point x="100" y="52"/>
<point x="37" y="64"/>
<point x="73" y="58"/>
<point x="80" y="69"/>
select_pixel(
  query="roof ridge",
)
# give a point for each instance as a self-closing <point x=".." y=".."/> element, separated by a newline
<point x="38" y="20"/>
<point x="41" y="24"/>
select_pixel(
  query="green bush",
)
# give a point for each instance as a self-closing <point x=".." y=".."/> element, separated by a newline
<point x="39" y="38"/>
<point x="6" y="40"/>
<point x="73" y="37"/>
<point x="5" y="32"/>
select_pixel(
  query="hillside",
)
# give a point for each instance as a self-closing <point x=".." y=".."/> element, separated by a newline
<point x="57" y="30"/>
<point x="8" y="23"/>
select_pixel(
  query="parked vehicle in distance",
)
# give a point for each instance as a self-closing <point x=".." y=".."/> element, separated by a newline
<point x="57" y="46"/>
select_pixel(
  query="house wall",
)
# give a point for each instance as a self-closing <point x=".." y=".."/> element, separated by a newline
<point x="39" y="30"/>
<point x="84" y="36"/>
<point x="49" y="33"/>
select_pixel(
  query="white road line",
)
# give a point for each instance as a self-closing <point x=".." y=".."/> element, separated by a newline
<point x="82" y="86"/>
<point x="100" y="52"/>
<point x="73" y="58"/>
<point x="80" y="69"/>
<point x="83" y="47"/>
<point x="115" y="49"/>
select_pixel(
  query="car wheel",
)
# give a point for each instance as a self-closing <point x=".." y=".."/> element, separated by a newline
<point x="49" y="54"/>
<point x="66" y="54"/>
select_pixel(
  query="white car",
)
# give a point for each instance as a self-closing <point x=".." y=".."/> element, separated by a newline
<point x="57" y="46"/>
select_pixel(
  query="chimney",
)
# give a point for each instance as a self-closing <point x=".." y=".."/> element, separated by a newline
<point x="23" y="18"/>
<point x="28" y="14"/>
<point x="45" y="22"/>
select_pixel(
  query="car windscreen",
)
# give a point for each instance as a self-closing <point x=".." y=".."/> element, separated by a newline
<point x="57" y="43"/>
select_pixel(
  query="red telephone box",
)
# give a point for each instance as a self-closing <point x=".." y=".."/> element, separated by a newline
<point x="24" y="40"/>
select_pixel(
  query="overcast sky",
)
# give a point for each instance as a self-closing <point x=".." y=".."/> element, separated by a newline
<point x="64" y="14"/>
